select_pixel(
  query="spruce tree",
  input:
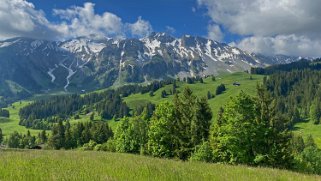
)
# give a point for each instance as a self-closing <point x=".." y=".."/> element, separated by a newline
<point x="1" y="136"/>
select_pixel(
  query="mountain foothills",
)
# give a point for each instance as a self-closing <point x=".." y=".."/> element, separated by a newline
<point x="87" y="63"/>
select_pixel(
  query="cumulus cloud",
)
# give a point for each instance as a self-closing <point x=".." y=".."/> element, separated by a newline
<point x="83" y="21"/>
<point x="270" y="22"/>
<point x="214" y="32"/>
<point x="21" y="18"/>
<point x="282" y="44"/>
<point x="140" y="28"/>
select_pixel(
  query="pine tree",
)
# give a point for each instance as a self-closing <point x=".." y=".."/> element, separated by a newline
<point x="43" y="137"/>
<point x="163" y="94"/>
<point x="220" y="89"/>
<point x="92" y="116"/>
<point x="213" y="78"/>
<point x="315" y="111"/>
<point x="57" y="140"/>
<point x="186" y="115"/>
<point x="1" y="136"/>
<point x="174" y="87"/>
<point x="209" y="95"/>
<point x="201" y="125"/>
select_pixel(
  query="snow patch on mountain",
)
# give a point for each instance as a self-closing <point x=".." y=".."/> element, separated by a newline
<point x="50" y="73"/>
<point x="70" y="74"/>
<point x="151" y="45"/>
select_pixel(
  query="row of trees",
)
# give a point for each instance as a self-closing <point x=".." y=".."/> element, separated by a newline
<point x="25" y="141"/>
<point x="298" y="65"/>
<point x="73" y="136"/>
<point x="41" y="114"/>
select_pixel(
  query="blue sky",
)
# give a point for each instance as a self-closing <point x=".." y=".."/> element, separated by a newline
<point x="185" y="16"/>
<point x="261" y="26"/>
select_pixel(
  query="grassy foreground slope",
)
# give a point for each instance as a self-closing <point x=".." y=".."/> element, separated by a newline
<point x="74" y="165"/>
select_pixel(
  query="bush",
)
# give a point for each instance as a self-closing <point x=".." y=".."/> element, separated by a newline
<point x="202" y="153"/>
<point x="108" y="146"/>
<point x="220" y="89"/>
<point x="309" y="160"/>
<point x="89" y="146"/>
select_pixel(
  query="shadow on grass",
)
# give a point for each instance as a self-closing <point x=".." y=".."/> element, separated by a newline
<point x="296" y="128"/>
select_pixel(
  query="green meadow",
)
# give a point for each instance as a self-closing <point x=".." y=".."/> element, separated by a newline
<point x="82" y="165"/>
<point x="248" y="85"/>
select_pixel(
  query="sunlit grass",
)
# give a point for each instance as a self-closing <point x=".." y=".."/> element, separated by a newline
<point x="247" y="85"/>
<point x="308" y="128"/>
<point x="13" y="122"/>
<point x="81" y="165"/>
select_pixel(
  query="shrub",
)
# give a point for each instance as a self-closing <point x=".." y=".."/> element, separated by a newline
<point x="309" y="160"/>
<point x="202" y="153"/>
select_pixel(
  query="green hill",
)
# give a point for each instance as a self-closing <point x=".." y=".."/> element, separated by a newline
<point x="80" y="165"/>
<point x="247" y="84"/>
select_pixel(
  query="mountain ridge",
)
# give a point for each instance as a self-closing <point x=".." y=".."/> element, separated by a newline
<point x="88" y="63"/>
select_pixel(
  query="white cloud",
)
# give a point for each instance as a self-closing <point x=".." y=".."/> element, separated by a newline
<point x="277" y="21"/>
<point x="282" y="44"/>
<point x="214" y="32"/>
<point x="83" y="21"/>
<point x="140" y="28"/>
<point x="21" y="18"/>
<point x="266" y="17"/>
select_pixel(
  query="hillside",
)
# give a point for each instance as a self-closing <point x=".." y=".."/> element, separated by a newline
<point x="200" y="89"/>
<point x="247" y="82"/>
<point x="76" y="165"/>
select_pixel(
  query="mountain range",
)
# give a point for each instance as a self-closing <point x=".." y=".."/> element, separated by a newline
<point x="87" y="63"/>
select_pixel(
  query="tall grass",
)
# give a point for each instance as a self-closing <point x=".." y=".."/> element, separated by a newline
<point x="76" y="165"/>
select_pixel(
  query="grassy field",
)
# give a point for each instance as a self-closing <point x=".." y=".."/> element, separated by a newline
<point x="247" y="85"/>
<point x="80" y="165"/>
<point x="12" y="124"/>
<point x="308" y="128"/>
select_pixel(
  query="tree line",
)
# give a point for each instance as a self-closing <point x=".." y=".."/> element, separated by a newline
<point x="42" y="114"/>
<point x="247" y="130"/>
